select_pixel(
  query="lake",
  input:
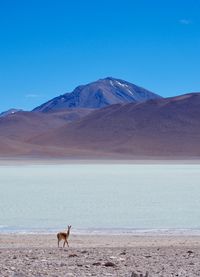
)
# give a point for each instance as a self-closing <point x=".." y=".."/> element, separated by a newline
<point x="100" y="198"/>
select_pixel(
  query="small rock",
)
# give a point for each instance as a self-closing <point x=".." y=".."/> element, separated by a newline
<point x="84" y="252"/>
<point x="62" y="264"/>
<point x="109" y="264"/>
<point x="96" y="263"/>
<point x="33" y="258"/>
<point x="134" y="274"/>
<point x="113" y="257"/>
<point x="72" y="255"/>
<point x="139" y="274"/>
<point x="191" y="263"/>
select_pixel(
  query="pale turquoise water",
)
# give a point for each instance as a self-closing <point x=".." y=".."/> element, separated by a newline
<point x="95" y="197"/>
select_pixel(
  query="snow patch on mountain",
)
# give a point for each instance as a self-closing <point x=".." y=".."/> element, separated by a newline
<point x="10" y="112"/>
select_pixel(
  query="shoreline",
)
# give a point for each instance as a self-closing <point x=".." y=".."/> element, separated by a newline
<point x="129" y="232"/>
<point x="136" y="161"/>
<point x="100" y="240"/>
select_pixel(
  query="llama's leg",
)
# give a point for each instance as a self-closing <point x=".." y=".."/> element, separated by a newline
<point x="67" y="243"/>
<point x="64" y="244"/>
<point x="58" y="242"/>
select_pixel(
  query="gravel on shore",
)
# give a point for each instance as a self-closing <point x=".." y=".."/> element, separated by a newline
<point x="99" y="255"/>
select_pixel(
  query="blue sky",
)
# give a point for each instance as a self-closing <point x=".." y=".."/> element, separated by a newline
<point x="49" y="47"/>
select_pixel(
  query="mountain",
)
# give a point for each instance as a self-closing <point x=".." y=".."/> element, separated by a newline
<point x="10" y="111"/>
<point x="156" y="128"/>
<point x="109" y="118"/>
<point x="99" y="94"/>
<point x="21" y="126"/>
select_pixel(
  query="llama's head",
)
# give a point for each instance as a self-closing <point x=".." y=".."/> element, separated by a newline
<point x="69" y="227"/>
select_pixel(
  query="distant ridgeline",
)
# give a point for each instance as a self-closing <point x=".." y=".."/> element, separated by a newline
<point x="109" y="118"/>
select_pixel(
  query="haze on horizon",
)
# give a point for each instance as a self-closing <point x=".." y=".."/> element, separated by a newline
<point x="48" y="48"/>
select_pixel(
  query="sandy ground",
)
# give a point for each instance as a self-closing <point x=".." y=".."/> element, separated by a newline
<point x="99" y="255"/>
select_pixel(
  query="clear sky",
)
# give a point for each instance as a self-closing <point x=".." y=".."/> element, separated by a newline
<point x="49" y="47"/>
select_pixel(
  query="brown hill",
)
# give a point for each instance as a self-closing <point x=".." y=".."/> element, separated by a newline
<point x="162" y="127"/>
<point x="22" y="126"/>
<point x="18" y="128"/>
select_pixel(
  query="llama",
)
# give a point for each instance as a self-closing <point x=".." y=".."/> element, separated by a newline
<point x="64" y="236"/>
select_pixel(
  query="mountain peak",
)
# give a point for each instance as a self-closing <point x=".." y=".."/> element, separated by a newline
<point x="109" y="78"/>
<point x="10" y="111"/>
<point x="99" y="94"/>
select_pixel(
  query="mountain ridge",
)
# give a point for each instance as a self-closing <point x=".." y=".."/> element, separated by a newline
<point x="160" y="127"/>
<point x="138" y="124"/>
<point x="98" y="94"/>
<point x="10" y="111"/>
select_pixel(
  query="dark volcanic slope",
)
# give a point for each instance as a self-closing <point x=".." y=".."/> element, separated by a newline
<point x="99" y="94"/>
<point x="163" y="127"/>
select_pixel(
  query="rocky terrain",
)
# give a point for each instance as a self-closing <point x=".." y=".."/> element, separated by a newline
<point x="32" y="255"/>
